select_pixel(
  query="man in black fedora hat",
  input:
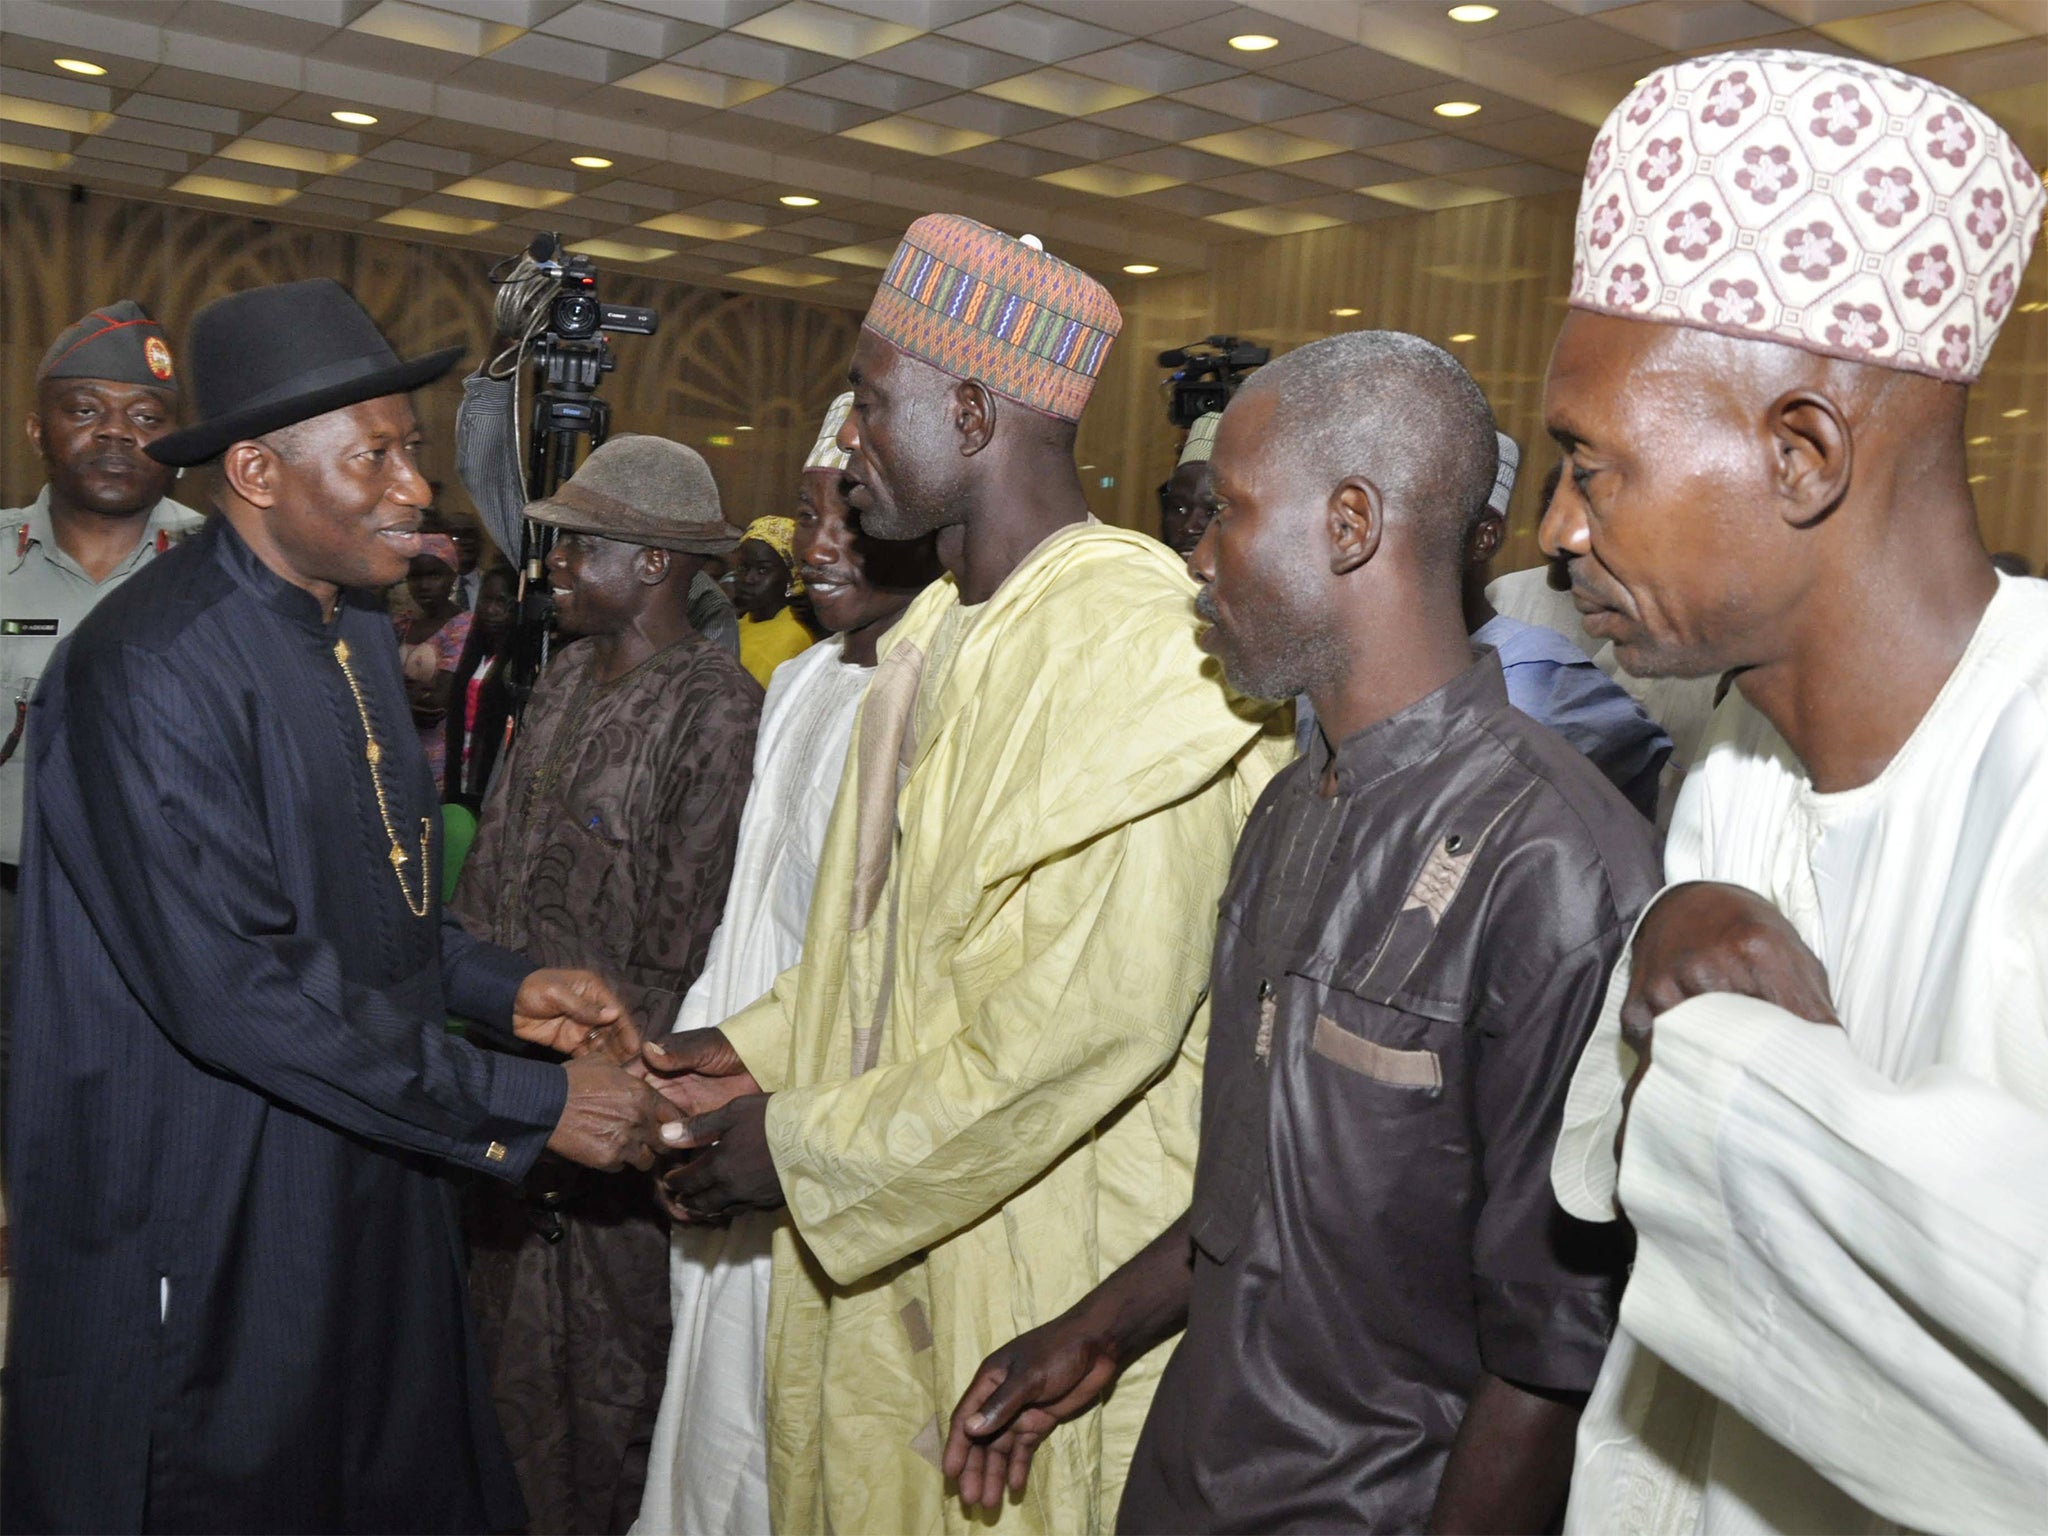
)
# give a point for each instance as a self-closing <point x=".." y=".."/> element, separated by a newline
<point x="239" y="1301"/>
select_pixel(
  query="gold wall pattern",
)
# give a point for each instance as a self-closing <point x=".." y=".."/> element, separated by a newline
<point x="1499" y="271"/>
<point x="718" y="362"/>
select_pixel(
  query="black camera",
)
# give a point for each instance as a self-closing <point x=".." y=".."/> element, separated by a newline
<point x="1206" y="374"/>
<point x="575" y="314"/>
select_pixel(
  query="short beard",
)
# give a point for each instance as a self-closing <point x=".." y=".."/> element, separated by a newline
<point x="1277" y="659"/>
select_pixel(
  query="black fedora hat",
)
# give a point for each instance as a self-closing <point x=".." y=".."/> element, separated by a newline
<point x="268" y="357"/>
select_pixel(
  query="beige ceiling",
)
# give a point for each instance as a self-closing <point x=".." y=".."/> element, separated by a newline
<point x="1119" y="130"/>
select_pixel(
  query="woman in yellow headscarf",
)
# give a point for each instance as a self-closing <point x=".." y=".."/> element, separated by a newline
<point x="763" y="583"/>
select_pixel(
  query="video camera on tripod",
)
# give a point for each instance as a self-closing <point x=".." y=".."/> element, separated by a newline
<point x="1207" y="373"/>
<point x="548" y="303"/>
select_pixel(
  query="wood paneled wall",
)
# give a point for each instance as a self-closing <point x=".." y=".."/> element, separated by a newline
<point x="719" y="362"/>
<point x="1499" y="271"/>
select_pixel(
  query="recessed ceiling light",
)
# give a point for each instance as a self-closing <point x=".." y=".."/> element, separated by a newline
<point x="1466" y="336"/>
<point x="354" y="119"/>
<point x="80" y="66"/>
<point x="1253" y="42"/>
<point x="1456" y="108"/>
<point x="1140" y="268"/>
<point x="743" y="429"/>
<point x="2015" y="413"/>
<point x="1471" y="13"/>
<point x="798" y="200"/>
<point x="1343" y="314"/>
<point x="591" y="162"/>
<point x="1979" y="442"/>
<point x="1978" y="479"/>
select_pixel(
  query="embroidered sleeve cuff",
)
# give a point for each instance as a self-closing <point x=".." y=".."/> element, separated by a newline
<point x="760" y="1033"/>
<point x="526" y="1100"/>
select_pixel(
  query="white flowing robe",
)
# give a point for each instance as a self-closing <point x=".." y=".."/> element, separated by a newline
<point x="1838" y="1318"/>
<point x="707" y="1471"/>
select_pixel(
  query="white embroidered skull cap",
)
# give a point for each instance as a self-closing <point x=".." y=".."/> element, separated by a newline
<point x="1822" y="202"/>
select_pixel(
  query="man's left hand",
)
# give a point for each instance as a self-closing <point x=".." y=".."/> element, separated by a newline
<point x="734" y="1171"/>
<point x="577" y="1014"/>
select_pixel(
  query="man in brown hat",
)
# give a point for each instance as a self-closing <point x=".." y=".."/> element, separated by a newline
<point x="607" y="841"/>
<point x="238" y="1291"/>
<point x="105" y="389"/>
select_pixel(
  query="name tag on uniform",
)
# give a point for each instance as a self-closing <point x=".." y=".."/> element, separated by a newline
<point x="28" y="626"/>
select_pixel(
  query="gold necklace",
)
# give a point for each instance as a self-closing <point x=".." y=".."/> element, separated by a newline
<point x="371" y="750"/>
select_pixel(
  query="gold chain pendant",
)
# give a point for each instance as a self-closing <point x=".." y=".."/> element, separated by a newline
<point x="374" y="753"/>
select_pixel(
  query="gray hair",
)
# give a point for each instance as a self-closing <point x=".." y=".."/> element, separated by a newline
<point x="1398" y="411"/>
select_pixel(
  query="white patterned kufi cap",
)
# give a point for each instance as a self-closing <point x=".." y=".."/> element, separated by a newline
<point x="825" y="452"/>
<point x="1201" y="443"/>
<point x="1821" y="202"/>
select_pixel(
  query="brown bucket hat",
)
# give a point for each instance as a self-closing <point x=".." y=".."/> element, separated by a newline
<point x="642" y="490"/>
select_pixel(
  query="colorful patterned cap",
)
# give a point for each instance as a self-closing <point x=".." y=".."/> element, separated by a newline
<point x="1821" y="202"/>
<point x="1504" y="471"/>
<point x="118" y="341"/>
<point x="779" y="534"/>
<point x="976" y="304"/>
<point x="1201" y="441"/>
<point x="825" y="452"/>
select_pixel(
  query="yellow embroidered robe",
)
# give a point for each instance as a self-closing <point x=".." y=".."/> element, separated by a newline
<point x="987" y="1066"/>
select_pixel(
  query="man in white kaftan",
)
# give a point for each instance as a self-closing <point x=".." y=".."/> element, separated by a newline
<point x="1834" y="1152"/>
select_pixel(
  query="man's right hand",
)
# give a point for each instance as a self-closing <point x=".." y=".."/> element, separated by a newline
<point x="1021" y="1394"/>
<point x="613" y="1119"/>
<point x="697" y="1070"/>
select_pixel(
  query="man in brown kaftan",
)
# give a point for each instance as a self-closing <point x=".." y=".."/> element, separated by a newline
<point x="609" y="836"/>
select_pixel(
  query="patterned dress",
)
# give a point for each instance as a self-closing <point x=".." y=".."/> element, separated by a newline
<point x="440" y="652"/>
<point x="607" y="841"/>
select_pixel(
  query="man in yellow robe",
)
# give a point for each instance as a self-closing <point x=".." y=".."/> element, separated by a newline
<point x="977" y="1091"/>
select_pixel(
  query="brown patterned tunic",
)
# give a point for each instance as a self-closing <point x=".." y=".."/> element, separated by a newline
<point x="607" y="841"/>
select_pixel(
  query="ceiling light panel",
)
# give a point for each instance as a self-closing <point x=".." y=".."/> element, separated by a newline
<point x="697" y="227"/>
<point x="435" y="223"/>
<point x="506" y="194"/>
<point x="1262" y="146"/>
<point x="403" y="22"/>
<point x="826" y="29"/>
<point x="915" y="136"/>
<point x="698" y="87"/>
<point x="1107" y="181"/>
<point x="1064" y="92"/>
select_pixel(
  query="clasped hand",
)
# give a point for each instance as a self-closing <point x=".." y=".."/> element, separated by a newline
<point x="730" y="1168"/>
<point x="1706" y="936"/>
<point x="612" y="1119"/>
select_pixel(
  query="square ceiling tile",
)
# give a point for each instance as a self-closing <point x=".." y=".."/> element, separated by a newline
<point x="1210" y="36"/>
<point x="1346" y="207"/>
<point x="915" y="136"/>
<point x="570" y="59"/>
<point x="1567" y="47"/>
<point x="1440" y="154"/>
<point x="826" y="29"/>
<point x="753" y="58"/>
<point x="957" y="65"/>
<point x="1151" y="67"/>
<point x="424" y="27"/>
<point x="1165" y="119"/>
<point x="625" y="28"/>
<point x="695" y="87"/>
<point x="1262" y="146"/>
<point x="984" y="114"/>
<point x="184" y="114"/>
<point x="1141" y="18"/>
<point x="1178" y="162"/>
<point x="1350" y="171"/>
<point x="1085" y="141"/>
<point x="1266" y="186"/>
<point x="1063" y="92"/>
<point x="1194" y="202"/>
<point x="1696" y="24"/>
<point x="1107" y="181"/>
<point x="1356" y="74"/>
<point x="1255" y="99"/>
<point x="1353" y="128"/>
<point x="1031" y="33"/>
<point x="241" y="95"/>
<point x="1019" y="160"/>
<point x="873" y="257"/>
<point x="878" y="88"/>
<point x="1275" y="221"/>
<point x="694" y="226"/>
<point x="1431" y="194"/>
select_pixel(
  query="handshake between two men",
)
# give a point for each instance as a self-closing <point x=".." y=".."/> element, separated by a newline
<point x="633" y="1099"/>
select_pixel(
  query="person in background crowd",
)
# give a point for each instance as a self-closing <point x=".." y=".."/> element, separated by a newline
<point x="708" y="1474"/>
<point x="468" y="541"/>
<point x="1184" y="506"/>
<point x="2011" y="563"/>
<point x="238" y="1300"/>
<point x="480" y="708"/>
<point x="105" y="389"/>
<point x="1681" y="707"/>
<point x="607" y="842"/>
<point x="1550" y="679"/>
<point x="431" y="639"/>
<point x="1834" y="1105"/>
<point x="1390" y="1324"/>
<point x="981" y="1077"/>
<point x="764" y="581"/>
